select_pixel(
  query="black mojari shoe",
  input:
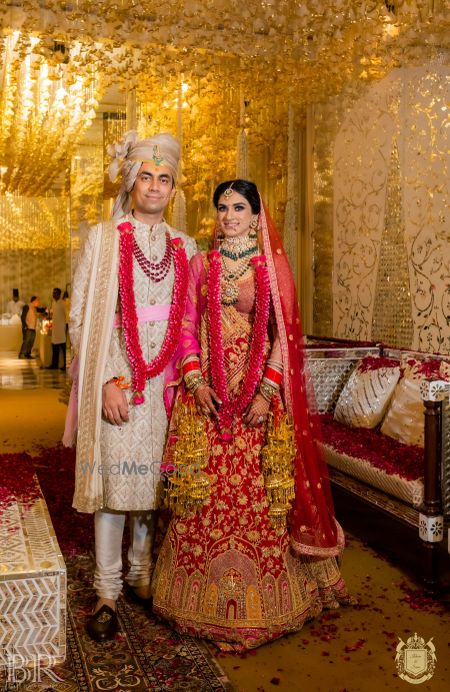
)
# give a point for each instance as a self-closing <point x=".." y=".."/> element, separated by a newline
<point x="103" y="624"/>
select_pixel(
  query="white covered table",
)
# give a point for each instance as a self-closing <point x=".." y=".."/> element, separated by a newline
<point x="10" y="337"/>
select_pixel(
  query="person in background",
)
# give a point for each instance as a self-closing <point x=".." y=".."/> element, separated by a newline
<point x="14" y="306"/>
<point x="58" y="316"/>
<point x="30" y="322"/>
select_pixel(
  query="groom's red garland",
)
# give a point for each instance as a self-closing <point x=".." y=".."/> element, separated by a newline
<point x="232" y="408"/>
<point x="141" y="370"/>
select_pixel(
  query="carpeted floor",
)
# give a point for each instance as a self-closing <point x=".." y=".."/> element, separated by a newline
<point x="351" y="649"/>
<point x="145" y="654"/>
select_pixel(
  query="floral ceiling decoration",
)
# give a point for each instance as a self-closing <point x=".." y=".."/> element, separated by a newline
<point x="247" y="73"/>
<point x="301" y="50"/>
<point x="46" y="104"/>
<point x="58" y="56"/>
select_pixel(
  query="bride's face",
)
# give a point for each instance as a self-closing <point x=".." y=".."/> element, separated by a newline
<point x="234" y="215"/>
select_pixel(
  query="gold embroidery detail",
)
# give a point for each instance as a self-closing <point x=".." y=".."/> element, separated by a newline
<point x="88" y="414"/>
<point x="104" y="617"/>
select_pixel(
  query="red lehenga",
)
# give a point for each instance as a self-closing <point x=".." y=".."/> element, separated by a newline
<point x="225" y="573"/>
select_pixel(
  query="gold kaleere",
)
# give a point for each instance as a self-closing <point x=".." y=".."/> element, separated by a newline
<point x="278" y="456"/>
<point x="189" y="486"/>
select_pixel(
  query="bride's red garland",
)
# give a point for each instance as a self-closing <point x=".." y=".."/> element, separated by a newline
<point x="141" y="370"/>
<point x="232" y="408"/>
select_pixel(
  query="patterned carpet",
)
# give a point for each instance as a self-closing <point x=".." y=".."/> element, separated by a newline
<point x="145" y="654"/>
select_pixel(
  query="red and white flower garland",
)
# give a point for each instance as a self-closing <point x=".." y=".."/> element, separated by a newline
<point x="232" y="408"/>
<point x="141" y="370"/>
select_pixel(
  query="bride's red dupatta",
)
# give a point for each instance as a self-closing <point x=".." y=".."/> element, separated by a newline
<point x="311" y="522"/>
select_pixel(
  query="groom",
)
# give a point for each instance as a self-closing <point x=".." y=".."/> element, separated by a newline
<point x="128" y="297"/>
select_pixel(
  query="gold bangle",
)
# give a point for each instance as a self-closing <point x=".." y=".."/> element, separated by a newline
<point x="191" y="376"/>
<point x="267" y="390"/>
<point x="193" y="383"/>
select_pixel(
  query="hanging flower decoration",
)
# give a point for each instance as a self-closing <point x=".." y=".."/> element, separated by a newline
<point x="59" y="58"/>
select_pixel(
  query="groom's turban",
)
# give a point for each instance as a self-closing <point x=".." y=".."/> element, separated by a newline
<point x="128" y="156"/>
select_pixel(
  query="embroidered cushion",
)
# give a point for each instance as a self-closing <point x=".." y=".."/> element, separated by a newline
<point x="404" y="420"/>
<point x="365" y="398"/>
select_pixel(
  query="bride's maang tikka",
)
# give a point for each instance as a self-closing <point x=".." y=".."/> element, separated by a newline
<point x="229" y="191"/>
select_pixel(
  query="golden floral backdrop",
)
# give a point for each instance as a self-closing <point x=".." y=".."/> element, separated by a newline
<point x="234" y="80"/>
<point x="383" y="199"/>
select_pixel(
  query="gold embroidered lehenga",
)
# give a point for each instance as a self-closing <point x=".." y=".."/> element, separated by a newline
<point x="225" y="573"/>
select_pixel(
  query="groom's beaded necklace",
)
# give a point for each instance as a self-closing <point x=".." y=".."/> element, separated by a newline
<point x="156" y="271"/>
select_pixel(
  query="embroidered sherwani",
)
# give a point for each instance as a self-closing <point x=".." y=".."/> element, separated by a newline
<point x="118" y="466"/>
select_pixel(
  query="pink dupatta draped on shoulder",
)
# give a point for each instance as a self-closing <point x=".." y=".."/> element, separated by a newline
<point x="189" y="344"/>
<point x="312" y="525"/>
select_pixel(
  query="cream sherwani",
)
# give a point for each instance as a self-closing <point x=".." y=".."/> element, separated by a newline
<point x="118" y="467"/>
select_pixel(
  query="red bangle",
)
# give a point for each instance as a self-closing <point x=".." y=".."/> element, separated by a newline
<point x="273" y="375"/>
<point x="191" y="365"/>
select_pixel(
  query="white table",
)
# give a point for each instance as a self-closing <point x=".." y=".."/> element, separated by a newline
<point x="10" y="337"/>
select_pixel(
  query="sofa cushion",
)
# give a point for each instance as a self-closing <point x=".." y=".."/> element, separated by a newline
<point x="366" y="395"/>
<point x="404" y="420"/>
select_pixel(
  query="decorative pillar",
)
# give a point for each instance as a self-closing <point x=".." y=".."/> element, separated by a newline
<point x="392" y="312"/>
<point x="241" y="146"/>
<point x="132" y="121"/>
<point x="306" y="246"/>
<point x="431" y="521"/>
<point x="179" y="205"/>
<point x="290" y="216"/>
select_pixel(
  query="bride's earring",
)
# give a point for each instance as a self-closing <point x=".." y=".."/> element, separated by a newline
<point x="253" y="226"/>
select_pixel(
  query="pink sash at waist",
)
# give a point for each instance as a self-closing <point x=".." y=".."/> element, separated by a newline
<point x="149" y="313"/>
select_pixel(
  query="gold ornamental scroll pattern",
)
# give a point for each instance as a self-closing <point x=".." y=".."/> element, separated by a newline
<point x="392" y="318"/>
<point x="427" y="201"/>
<point x="417" y="119"/>
<point x="361" y="155"/>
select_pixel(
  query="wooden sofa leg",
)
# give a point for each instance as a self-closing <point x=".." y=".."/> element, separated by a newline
<point x="431" y="523"/>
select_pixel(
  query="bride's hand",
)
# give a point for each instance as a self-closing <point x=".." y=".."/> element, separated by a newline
<point x="257" y="412"/>
<point x="206" y="400"/>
